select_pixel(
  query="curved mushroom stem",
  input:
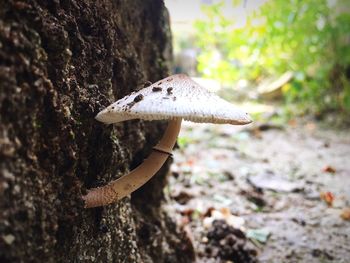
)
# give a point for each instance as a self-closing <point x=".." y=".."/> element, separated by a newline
<point x="126" y="184"/>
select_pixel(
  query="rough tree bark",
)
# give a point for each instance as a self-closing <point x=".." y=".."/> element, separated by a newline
<point x="61" y="61"/>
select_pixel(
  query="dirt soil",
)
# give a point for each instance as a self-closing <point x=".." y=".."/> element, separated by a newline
<point x="285" y="187"/>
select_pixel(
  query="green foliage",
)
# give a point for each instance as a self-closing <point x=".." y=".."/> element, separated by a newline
<point x="310" y="38"/>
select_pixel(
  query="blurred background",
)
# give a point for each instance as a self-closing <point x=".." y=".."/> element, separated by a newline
<point x="276" y="190"/>
<point x="294" y="52"/>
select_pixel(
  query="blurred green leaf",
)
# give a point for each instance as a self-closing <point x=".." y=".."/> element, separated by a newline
<point x="183" y="141"/>
<point x="310" y="38"/>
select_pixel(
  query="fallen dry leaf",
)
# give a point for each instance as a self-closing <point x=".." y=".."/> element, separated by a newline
<point x="257" y="133"/>
<point x="208" y="212"/>
<point x="292" y="123"/>
<point x="225" y="211"/>
<point x="328" y="197"/>
<point x="187" y="212"/>
<point x="183" y="197"/>
<point x="329" y="169"/>
<point x="311" y="126"/>
<point x="190" y="162"/>
<point x="268" y="180"/>
<point x="345" y="213"/>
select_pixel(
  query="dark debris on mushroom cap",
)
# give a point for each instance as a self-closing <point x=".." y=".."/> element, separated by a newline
<point x="169" y="90"/>
<point x="156" y="89"/>
<point x="138" y="98"/>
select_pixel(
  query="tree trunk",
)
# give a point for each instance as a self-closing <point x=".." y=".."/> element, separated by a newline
<point x="61" y="62"/>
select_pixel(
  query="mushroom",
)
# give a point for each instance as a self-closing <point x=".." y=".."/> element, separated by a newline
<point x="174" y="98"/>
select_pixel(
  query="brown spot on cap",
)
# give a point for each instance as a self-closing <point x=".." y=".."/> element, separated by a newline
<point x="156" y="89"/>
<point x="147" y="83"/>
<point x="169" y="90"/>
<point x="138" y="98"/>
<point x="169" y="79"/>
<point x="130" y="105"/>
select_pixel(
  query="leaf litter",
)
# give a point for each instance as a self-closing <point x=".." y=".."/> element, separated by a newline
<point x="268" y="188"/>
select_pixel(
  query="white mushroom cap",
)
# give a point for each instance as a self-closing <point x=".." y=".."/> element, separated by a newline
<point x="177" y="96"/>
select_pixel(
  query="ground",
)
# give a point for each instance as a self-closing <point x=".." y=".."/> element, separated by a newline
<point x="286" y="187"/>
